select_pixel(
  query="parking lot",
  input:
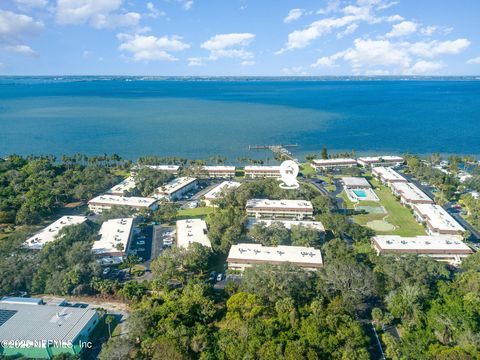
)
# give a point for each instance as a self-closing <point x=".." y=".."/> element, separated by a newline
<point x="141" y="244"/>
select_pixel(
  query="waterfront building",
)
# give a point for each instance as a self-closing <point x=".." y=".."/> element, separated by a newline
<point x="437" y="220"/>
<point x="387" y="160"/>
<point x="242" y="256"/>
<point x="190" y="231"/>
<point x="446" y="248"/>
<point x="219" y="172"/>
<point x="106" y="202"/>
<point x="324" y="164"/>
<point x="256" y="171"/>
<point x="113" y="242"/>
<point x="176" y="188"/>
<point x="166" y="168"/>
<point x="50" y="233"/>
<point x="283" y="209"/>
<point x="218" y="190"/>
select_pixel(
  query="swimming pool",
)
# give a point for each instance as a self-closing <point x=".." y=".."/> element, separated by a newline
<point x="360" y="193"/>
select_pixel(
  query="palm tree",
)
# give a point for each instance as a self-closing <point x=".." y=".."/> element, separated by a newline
<point x="108" y="320"/>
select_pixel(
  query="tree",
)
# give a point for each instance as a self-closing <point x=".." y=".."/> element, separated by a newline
<point x="108" y="321"/>
<point x="324" y="153"/>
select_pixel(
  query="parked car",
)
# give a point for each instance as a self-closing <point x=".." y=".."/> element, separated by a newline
<point x="140" y="242"/>
<point x="220" y="277"/>
<point x="140" y="249"/>
<point x="106" y="271"/>
<point x="212" y="276"/>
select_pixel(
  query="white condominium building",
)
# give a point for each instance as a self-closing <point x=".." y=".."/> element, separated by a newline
<point x="387" y="175"/>
<point x="49" y="234"/>
<point x="242" y="256"/>
<point x="126" y="185"/>
<point x="113" y="240"/>
<point x="176" y="188"/>
<point x="440" y="247"/>
<point x="219" y="172"/>
<point x="106" y="202"/>
<point x="410" y="194"/>
<point x="437" y="220"/>
<point x="314" y="225"/>
<point x="355" y="183"/>
<point x="387" y="160"/>
<point x="190" y="231"/>
<point x="323" y="164"/>
<point x="286" y="209"/>
<point x="255" y="171"/>
<point x="166" y="168"/>
<point x="218" y="190"/>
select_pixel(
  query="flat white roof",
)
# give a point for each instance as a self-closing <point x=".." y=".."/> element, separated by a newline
<point x="388" y="174"/>
<point x="316" y="225"/>
<point x="217" y="190"/>
<point x="175" y="185"/>
<point x="192" y="230"/>
<point x="126" y="185"/>
<point x="438" y="217"/>
<point x="49" y="233"/>
<point x="219" y="168"/>
<point x="275" y="204"/>
<point x="172" y="168"/>
<point x="262" y="168"/>
<point x="440" y="243"/>
<point x="410" y="192"/>
<point x="117" y="200"/>
<point x="340" y="161"/>
<point x="375" y="159"/>
<point x="301" y="255"/>
<point x="112" y="233"/>
<point x="356" y="181"/>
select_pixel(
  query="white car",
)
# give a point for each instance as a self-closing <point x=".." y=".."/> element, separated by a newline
<point x="141" y="249"/>
<point x="140" y="242"/>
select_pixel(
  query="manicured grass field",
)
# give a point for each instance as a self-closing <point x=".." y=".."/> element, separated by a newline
<point x="197" y="212"/>
<point x="307" y="169"/>
<point x="398" y="215"/>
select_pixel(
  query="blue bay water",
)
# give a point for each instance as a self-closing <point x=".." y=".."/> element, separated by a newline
<point x="200" y="118"/>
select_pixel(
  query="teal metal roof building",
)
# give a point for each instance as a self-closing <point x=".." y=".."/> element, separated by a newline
<point x="42" y="331"/>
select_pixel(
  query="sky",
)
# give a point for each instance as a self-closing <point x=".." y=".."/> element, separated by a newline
<point x="239" y="37"/>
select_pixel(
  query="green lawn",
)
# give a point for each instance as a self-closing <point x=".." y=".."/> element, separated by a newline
<point x="307" y="169"/>
<point x="197" y="212"/>
<point x="398" y="215"/>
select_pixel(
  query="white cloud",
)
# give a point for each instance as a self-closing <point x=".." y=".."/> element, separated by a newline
<point x="426" y="67"/>
<point x="295" y="71"/>
<point x="403" y="29"/>
<point x="14" y="26"/>
<point x="229" y="46"/>
<point x="22" y="49"/>
<point x="186" y="4"/>
<point x="247" y="63"/>
<point x="293" y="15"/>
<point x="363" y="11"/>
<point x="377" y="72"/>
<point x="349" y="30"/>
<point x="428" y="30"/>
<point x="148" y="48"/>
<point x="394" y="18"/>
<point x="475" y="60"/>
<point x="98" y="13"/>
<point x="111" y="21"/>
<point x="153" y="11"/>
<point x="28" y="4"/>
<point x="81" y="11"/>
<point x="434" y="48"/>
<point x="332" y="6"/>
<point x="195" y="61"/>
<point x="398" y="57"/>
